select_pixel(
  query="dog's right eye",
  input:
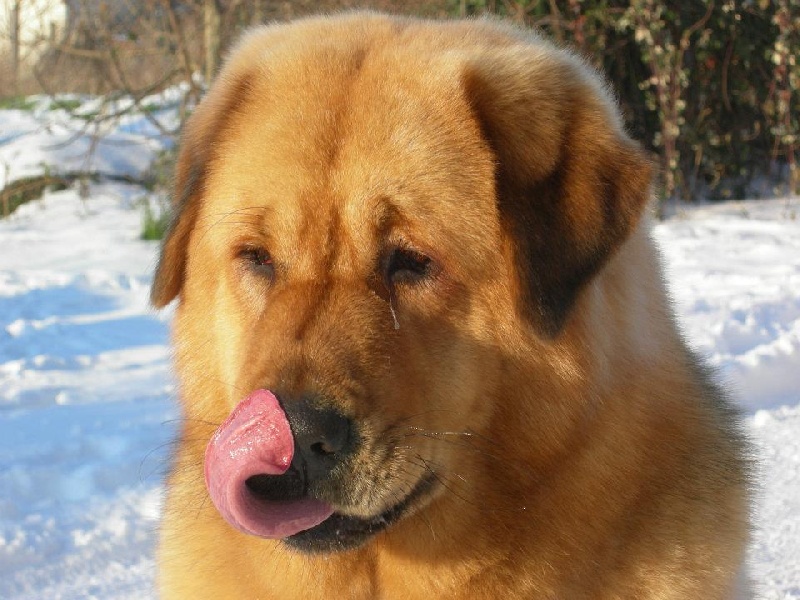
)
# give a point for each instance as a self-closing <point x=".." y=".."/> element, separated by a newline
<point x="258" y="260"/>
<point x="407" y="266"/>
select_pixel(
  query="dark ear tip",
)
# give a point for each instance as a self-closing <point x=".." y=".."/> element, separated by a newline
<point x="158" y="299"/>
<point x="548" y="327"/>
<point x="549" y="314"/>
<point x="169" y="273"/>
<point x="164" y="289"/>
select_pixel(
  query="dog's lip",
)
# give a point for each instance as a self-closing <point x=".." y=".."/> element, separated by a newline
<point x="391" y="514"/>
<point x="342" y="531"/>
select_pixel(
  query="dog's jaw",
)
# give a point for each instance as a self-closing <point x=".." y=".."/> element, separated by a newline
<point x="342" y="532"/>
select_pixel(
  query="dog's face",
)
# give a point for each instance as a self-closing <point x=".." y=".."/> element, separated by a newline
<point x="376" y="236"/>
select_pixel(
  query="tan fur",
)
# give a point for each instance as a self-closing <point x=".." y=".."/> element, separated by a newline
<point x="580" y="451"/>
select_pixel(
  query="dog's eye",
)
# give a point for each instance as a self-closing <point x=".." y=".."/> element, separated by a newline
<point x="407" y="266"/>
<point x="258" y="260"/>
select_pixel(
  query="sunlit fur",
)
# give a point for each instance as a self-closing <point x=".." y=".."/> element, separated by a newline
<point x="577" y="448"/>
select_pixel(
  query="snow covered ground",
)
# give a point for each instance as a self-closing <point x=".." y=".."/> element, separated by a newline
<point x="87" y="407"/>
<point x="86" y="411"/>
<point x="734" y="270"/>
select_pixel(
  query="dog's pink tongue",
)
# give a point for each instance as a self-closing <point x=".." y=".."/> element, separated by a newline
<point x="256" y="440"/>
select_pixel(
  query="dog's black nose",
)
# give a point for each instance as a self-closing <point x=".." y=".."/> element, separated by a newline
<point x="323" y="438"/>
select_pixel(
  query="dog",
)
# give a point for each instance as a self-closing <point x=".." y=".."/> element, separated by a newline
<point x="423" y="342"/>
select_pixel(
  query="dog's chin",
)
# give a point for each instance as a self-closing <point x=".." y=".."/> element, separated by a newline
<point x="341" y="532"/>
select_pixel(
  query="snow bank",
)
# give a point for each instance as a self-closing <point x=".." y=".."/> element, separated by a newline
<point x="86" y="415"/>
<point x="734" y="271"/>
<point x="735" y="274"/>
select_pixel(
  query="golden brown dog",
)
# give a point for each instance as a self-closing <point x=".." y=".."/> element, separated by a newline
<point x="411" y="256"/>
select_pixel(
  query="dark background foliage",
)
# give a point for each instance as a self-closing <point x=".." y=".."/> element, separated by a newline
<point x="712" y="87"/>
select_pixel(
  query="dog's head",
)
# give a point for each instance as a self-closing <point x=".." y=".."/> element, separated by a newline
<point x="375" y="220"/>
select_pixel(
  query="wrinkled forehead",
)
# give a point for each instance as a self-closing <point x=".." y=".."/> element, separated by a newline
<point x="368" y="145"/>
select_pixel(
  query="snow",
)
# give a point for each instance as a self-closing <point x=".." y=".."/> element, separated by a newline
<point x="121" y="143"/>
<point x="734" y="270"/>
<point x="87" y="409"/>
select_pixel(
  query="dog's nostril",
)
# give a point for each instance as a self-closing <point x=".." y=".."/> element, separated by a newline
<point x="323" y="449"/>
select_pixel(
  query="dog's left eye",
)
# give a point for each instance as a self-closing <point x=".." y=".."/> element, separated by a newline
<point x="407" y="266"/>
<point x="259" y="260"/>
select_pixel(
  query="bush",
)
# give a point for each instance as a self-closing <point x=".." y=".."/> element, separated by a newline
<point x="155" y="206"/>
<point x="17" y="103"/>
<point x="712" y="87"/>
<point x="21" y="191"/>
<point x="155" y="221"/>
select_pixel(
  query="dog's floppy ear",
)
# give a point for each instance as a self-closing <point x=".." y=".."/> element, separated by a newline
<point x="196" y="150"/>
<point x="571" y="186"/>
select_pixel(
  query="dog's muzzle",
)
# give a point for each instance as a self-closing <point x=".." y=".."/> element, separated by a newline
<point x="262" y="462"/>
